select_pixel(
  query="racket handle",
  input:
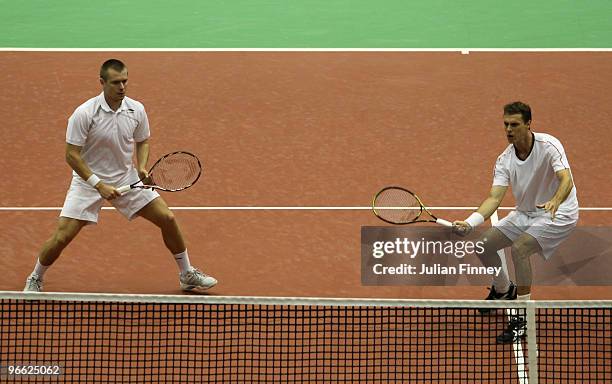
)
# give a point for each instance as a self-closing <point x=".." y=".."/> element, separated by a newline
<point x="443" y="222"/>
<point x="124" y="189"/>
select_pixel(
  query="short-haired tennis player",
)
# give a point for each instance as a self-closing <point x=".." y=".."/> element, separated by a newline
<point x="101" y="137"/>
<point x="536" y="167"/>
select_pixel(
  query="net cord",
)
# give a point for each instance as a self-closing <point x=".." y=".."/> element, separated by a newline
<point x="319" y="301"/>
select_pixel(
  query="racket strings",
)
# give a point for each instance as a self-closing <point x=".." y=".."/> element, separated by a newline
<point x="397" y="206"/>
<point x="175" y="172"/>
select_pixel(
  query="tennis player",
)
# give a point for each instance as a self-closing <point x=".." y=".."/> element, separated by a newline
<point x="101" y="137"/>
<point x="536" y="167"/>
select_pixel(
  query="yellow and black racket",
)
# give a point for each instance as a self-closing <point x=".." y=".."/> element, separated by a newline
<point x="397" y="205"/>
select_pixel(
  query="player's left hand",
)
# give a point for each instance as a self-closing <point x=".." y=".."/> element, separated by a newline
<point x="144" y="176"/>
<point x="461" y="228"/>
<point x="143" y="173"/>
<point x="550" y="206"/>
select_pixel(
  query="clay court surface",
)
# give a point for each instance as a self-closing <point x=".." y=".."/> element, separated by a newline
<point x="296" y="129"/>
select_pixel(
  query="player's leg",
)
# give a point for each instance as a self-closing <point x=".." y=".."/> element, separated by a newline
<point x="66" y="230"/>
<point x="542" y="236"/>
<point x="81" y="207"/>
<point x="522" y="250"/>
<point x="501" y="288"/>
<point x="158" y="213"/>
<point x="149" y="205"/>
<point x="494" y="240"/>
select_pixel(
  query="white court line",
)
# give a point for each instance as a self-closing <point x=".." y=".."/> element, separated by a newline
<point x="459" y="50"/>
<point x="285" y="208"/>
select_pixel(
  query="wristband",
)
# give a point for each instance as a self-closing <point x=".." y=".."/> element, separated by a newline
<point x="475" y="219"/>
<point x="93" y="180"/>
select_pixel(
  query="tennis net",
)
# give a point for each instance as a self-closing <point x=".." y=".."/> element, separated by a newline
<point x="88" y="338"/>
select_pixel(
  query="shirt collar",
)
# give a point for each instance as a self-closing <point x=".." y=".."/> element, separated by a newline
<point x="104" y="105"/>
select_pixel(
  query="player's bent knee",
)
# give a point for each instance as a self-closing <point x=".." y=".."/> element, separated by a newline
<point x="167" y="218"/>
<point x="489" y="247"/>
<point x="170" y="218"/>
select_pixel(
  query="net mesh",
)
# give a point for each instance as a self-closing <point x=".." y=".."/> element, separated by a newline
<point x="575" y="345"/>
<point x="397" y="205"/>
<point x="176" y="171"/>
<point x="195" y="342"/>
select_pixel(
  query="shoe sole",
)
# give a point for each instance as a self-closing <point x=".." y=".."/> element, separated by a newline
<point x="25" y="289"/>
<point x="196" y="288"/>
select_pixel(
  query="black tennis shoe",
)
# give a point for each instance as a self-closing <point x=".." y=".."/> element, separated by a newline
<point x="494" y="295"/>
<point x="516" y="330"/>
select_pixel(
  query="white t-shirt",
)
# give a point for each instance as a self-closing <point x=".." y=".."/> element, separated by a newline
<point x="533" y="180"/>
<point x="108" y="136"/>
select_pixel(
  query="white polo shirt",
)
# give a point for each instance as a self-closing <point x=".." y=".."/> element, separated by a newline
<point x="108" y="136"/>
<point x="533" y="180"/>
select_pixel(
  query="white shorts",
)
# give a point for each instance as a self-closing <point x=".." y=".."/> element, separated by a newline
<point x="548" y="233"/>
<point x="83" y="202"/>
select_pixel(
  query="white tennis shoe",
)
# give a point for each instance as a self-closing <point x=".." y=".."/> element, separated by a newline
<point x="33" y="283"/>
<point x="196" y="280"/>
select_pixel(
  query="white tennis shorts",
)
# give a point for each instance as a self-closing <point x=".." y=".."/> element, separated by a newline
<point x="549" y="233"/>
<point x="83" y="202"/>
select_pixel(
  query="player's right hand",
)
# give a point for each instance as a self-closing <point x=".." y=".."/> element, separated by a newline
<point x="108" y="192"/>
<point x="461" y="228"/>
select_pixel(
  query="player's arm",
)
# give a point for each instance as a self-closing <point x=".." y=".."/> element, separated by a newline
<point x="142" y="158"/>
<point x="491" y="203"/>
<point x="565" y="187"/>
<point x="486" y="209"/>
<point x="76" y="162"/>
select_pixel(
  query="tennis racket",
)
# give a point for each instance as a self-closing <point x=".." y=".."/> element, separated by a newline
<point x="173" y="172"/>
<point x="397" y="205"/>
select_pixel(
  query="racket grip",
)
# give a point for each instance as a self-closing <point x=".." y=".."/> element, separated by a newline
<point x="443" y="222"/>
<point x="124" y="189"/>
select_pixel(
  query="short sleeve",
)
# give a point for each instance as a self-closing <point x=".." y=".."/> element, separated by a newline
<point x="142" y="132"/>
<point x="556" y="153"/>
<point x="501" y="174"/>
<point x="78" y="127"/>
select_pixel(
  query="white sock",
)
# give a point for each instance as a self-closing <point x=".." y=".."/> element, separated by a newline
<point x="40" y="269"/>
<point x="501" y="282"/>
<point x="182" y="260"/>
<point x="524" y="297"/>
